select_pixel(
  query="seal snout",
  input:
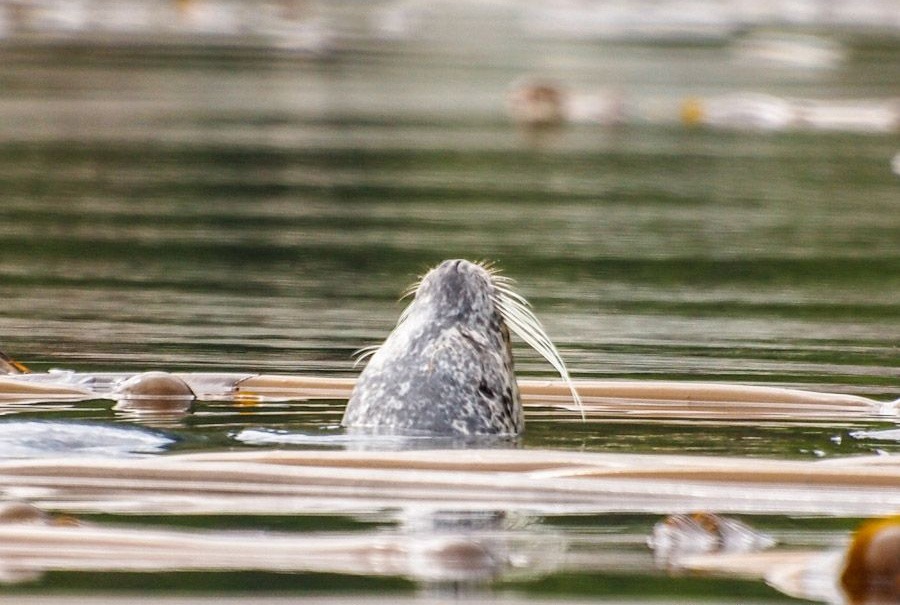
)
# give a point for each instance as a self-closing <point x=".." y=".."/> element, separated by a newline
<point x="459" y="290"/>
<point x="459" y="268"/>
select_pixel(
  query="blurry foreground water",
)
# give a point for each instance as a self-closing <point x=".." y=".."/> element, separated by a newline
<point x="260" y="211"/>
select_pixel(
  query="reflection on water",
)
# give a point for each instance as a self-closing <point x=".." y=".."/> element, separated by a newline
<point x="361" y="439"/>
<point x="679" y="536"/>
<point x="433" y="518"/>
<point x="262" y="211"/>
<point x="48" y="438"/>
<point x="442" y="550"/>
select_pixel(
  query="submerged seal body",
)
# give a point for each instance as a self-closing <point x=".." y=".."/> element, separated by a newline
<point x="447" y="368"/>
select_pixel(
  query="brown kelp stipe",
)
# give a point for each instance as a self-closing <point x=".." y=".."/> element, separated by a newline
<point x="600" y="398"/>
<point x="636" y="398"/>
<point x="10" y="366"/>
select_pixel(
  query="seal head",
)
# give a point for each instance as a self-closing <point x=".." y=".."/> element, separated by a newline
<point x="447" y="368"/>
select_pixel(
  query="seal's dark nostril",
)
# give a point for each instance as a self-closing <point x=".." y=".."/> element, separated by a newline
<point x="451" y="265"/>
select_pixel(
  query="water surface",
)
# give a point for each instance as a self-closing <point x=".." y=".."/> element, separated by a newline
<point x="261" y="213"/>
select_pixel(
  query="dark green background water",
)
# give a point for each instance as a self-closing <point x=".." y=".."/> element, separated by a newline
<point x="262" y="213"/>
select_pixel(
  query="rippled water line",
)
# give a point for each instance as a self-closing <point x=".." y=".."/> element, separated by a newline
<point x="268" y="216"/>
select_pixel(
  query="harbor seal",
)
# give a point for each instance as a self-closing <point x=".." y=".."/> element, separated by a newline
<point x="447" y="367"/>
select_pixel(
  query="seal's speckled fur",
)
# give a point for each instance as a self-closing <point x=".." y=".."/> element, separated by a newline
<point x="447" y="368"/>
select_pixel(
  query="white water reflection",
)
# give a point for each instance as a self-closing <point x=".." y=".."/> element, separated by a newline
<point x="28" y="439"/>
<point x="455" y="553"/>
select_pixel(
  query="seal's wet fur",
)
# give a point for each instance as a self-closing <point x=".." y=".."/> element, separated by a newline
<point x="447" y="368"/>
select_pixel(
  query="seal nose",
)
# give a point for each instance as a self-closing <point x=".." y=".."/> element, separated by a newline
<point x="459" y="265"/>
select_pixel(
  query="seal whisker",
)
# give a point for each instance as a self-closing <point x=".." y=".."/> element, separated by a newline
<point x="516" y="311"/>
<point x="361" y="354"/>
<point x="505" y="280"/>
<point x="404" y="313"/>
<point x="505" y="290"/>
<point x="411" y="289"/>
<point x="495" y="273"/>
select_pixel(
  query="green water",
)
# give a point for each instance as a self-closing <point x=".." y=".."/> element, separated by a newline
<point x="263" y="214"/>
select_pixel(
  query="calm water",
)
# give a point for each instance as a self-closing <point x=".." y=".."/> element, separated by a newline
<point x="259" y="213"/>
